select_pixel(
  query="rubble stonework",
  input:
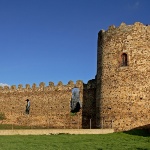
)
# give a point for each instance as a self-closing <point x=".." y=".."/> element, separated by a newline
<point x="118" y="98"/>
<point x="123" y="92"/>
<point x="49" y="105"/>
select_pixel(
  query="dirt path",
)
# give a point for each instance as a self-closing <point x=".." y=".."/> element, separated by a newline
<point x="55" y="131"/>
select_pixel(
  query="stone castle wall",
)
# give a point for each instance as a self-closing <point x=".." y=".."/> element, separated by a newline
<point x="118" y="98"/>
<point x="50" y="105"/>
<point x="123" y="92"/>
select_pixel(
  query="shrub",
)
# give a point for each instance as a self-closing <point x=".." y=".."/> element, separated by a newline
<point x="2" y="116"/>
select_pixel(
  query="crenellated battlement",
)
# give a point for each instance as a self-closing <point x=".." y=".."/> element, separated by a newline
<point x="42" y="87"/>
<point x="123" y="27"/>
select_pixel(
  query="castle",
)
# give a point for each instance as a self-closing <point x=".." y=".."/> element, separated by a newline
<point x="118" y="97"/>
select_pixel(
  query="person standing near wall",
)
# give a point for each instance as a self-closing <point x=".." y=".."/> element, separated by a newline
<point x="28" y="106"/>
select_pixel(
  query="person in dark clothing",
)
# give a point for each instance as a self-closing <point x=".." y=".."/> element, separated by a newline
<point x="28" y="106"/>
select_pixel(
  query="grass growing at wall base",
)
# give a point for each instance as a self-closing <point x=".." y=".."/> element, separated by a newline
<point x="2" y="116"/>
<point x="114" y="141"/>
<point x="12" y="126"/>
<point x="73" y="113"/>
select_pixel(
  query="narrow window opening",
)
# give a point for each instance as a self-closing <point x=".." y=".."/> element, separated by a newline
<point x="75" y="100"/>
<point x="28" y="106"/>
<point x="124" y="59"/>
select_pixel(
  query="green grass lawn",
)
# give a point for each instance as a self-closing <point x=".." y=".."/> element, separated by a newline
<point x="114" y="141"/>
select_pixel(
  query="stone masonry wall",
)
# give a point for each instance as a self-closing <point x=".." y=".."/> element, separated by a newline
<point x="123" y="92"/>
<point x="118" y="98"/>
<point x="50" y="105"/>
<point x="89" y="105"/>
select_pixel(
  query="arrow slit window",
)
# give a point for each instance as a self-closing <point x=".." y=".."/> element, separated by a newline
<point x="124" y="59"/>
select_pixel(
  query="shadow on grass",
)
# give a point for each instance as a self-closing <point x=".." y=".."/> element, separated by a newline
<point x="140" y="131"/>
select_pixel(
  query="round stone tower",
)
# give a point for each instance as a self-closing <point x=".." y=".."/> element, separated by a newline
<point x="123" y="77"/>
